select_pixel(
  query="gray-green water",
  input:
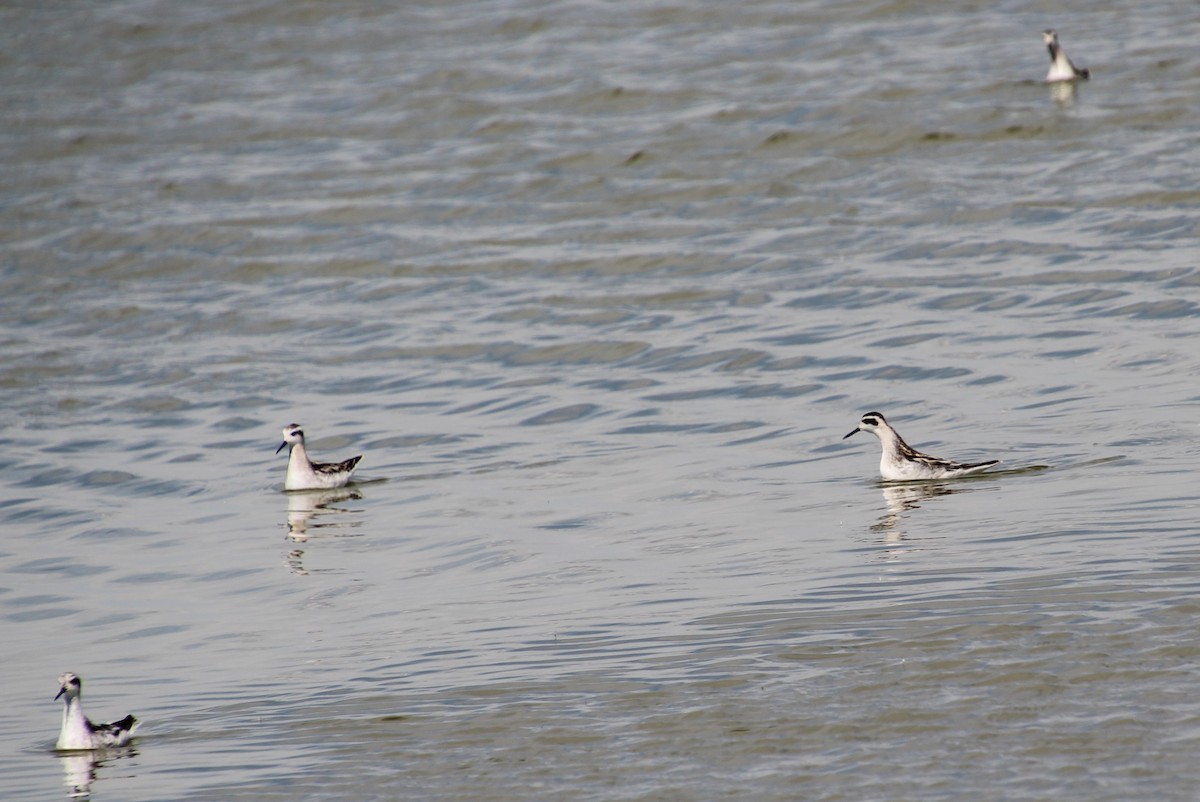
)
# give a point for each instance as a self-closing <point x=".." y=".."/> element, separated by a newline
<point x="597" y="288"/>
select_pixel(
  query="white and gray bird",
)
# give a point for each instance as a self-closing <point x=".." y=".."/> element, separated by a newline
<point x="1061" y="67"/>
<point x="80" y="732"/>
<point x="901" y="462"/>
<point x="303" y="473"/>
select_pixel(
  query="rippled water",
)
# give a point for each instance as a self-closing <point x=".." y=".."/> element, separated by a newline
<point x="597" y="289"/>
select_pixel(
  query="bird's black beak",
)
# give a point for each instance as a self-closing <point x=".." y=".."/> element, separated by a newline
<point x="61" y="691"/>
<point x="856" y="431"/>
<point x="281" y="445"/>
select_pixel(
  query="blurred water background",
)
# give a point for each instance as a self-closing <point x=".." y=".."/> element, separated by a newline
<point x="597" y="288"/>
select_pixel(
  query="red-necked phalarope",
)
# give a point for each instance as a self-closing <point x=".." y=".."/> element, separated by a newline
<point x="80" y="733"/>
<point x="1061" y="68"/>
<point x="302" y="474"/>
<point x="901" y="462"/>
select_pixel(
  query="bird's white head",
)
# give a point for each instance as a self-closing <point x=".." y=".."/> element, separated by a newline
<point x="871" y="422"/>
<point x="292" y="434"/>
<point x="70" y="686"/>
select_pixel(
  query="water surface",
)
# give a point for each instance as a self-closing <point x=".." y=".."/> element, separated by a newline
<point x="597" y="290"/>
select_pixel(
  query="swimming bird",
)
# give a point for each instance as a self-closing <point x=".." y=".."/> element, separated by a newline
<point x="78" y="732"/>
<point x="1061" y="67"/>
<point x="303" y="474"/>
<point x="901" y="462"/>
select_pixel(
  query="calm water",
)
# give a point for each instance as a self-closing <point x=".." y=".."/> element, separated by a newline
<point x="597" y="289"/>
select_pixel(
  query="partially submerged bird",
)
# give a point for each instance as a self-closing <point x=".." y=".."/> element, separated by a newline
<point x="901" y="462"/>
<point x="1061" y="67"/>
<point x="303" y="474"/>
<point x="78" y="731"/>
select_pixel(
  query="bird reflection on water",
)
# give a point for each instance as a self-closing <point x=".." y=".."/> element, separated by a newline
<point x="304" y="508"/>
<point x="900" y="500"/>
<point x="80" y="769"/>
<point x="310" y="512"/>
